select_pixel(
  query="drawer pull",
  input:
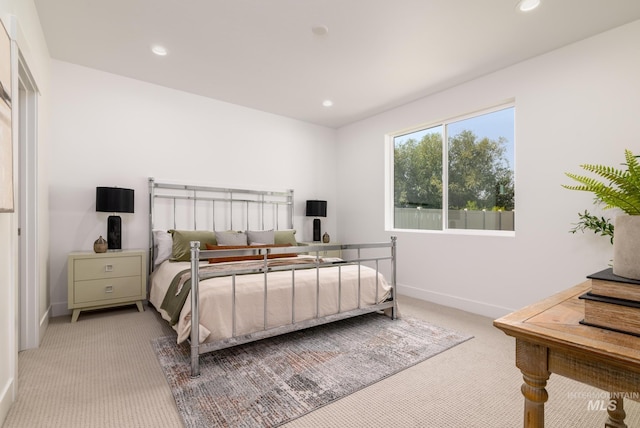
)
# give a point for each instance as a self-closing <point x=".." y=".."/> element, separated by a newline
<point x="108" y="268"/>
<point x="108" y="289"/>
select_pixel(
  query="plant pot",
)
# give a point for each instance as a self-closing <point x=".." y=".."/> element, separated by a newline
<point x="626" y="246"/>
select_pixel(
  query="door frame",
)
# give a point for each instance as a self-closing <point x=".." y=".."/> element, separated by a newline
<point x="32" y="328"/>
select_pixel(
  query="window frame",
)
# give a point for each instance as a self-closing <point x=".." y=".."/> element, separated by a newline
<point x="390" y="174"/>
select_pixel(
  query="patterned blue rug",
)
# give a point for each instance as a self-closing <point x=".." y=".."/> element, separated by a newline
<point x="271" y="382"/>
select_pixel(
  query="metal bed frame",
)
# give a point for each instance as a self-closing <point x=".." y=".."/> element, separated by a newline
<point x="259" y="209"/>
<point x="262" y="199"/>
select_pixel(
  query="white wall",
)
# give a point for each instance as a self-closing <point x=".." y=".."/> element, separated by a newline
<point x="579" y="104"/>
<point x="21" y="19"/>
<point x="114" y="131"/>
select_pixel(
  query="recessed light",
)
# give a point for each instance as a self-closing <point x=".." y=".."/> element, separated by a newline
<point x="327" y="103"/>
<point x="320" y="30"/>
<point x="528" y="5"/>
<point x="159" y="50"/>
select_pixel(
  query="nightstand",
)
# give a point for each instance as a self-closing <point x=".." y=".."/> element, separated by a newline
<point x="325" y="253"/>
<point x="104" y="280"/>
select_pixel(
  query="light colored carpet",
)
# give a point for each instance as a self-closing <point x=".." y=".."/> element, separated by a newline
<point x="102" y="372"/>
<point x="270" y="382"/>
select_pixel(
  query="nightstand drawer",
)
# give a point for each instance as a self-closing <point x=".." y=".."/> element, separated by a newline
<point x="101" y="290"/>
<point x="323" y="253"/>
<point x="106" y="267"/>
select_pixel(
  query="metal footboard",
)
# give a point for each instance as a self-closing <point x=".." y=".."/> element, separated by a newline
<point x="390" y="304"/>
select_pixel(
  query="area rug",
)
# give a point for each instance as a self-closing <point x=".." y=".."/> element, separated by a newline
<point x="275" y="380"/>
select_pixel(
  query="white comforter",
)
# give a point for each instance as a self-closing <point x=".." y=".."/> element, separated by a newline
<point x="216" y="298"/>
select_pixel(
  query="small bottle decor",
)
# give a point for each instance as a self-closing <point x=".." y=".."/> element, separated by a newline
<point x="100" y="246"/>
<point x="325" y="238"/>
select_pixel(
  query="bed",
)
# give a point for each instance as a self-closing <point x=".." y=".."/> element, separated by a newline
<point x="226" y="268"/>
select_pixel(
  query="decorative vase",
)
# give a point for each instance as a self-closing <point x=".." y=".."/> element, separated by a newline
<point x="325" y="238"/>
<point x="100" y="246"/>
<point x="626" y="246"/>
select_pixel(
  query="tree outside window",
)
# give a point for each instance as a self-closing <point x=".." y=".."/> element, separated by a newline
<point x="477" y="186"/>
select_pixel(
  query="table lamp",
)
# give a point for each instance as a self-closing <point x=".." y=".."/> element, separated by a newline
<point x="316" y="209"/>
<point x="114" y="200"/>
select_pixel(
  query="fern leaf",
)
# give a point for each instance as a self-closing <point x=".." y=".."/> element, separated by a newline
<point x="623" y="187"/>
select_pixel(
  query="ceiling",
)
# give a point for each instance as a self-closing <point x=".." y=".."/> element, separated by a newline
<point x="263" y="54"/>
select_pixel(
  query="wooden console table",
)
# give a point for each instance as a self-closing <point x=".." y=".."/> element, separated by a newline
<point x="550" y="339"/>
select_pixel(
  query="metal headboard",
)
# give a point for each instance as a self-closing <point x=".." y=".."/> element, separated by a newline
<point x="198" y="207"/>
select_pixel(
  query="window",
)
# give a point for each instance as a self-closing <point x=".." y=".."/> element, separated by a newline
<point x="465" y="165"/>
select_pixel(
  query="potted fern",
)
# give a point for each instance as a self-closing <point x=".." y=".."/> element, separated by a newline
<point x="622" y="190"/>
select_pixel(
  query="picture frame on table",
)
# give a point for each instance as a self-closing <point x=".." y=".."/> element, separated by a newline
<point x="6" y="138"/>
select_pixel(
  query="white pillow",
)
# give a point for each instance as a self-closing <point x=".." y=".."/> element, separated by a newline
<point x="231" y="238"/>
<point x="261" y="237"/>
<point x="162" y="247"/>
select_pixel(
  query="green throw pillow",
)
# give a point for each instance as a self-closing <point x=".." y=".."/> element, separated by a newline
<point x="287" y="236"/>
<point x="181" y="249"/>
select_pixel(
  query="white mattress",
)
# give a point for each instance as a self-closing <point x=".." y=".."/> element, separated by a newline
<point x="215" y="307"/>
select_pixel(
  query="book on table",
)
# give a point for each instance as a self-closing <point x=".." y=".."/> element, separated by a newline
<point x="605" y="283"/>
<point x="611" y="313"/>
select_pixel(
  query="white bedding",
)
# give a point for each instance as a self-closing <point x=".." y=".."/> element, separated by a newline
<point x="216" y="297"/>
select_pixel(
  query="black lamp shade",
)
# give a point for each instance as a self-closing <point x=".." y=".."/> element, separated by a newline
<point x="316" y="208"/>
<point x="114" y="200"/>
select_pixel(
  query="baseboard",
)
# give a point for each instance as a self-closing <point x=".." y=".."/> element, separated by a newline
<point x="6" y="399"/>
<point x="473" y="306"/>
<point x="44" y="324"/>
<point x="59" y="309"/>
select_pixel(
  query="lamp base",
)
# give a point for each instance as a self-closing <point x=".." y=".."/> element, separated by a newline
<point x="316" y="229"/>
<point x="114" y="232"/>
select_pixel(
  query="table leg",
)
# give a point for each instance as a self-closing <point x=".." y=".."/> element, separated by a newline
<point x="617" y="414"/>
<point x="535" y="395"/>
<point x="531" y="359"/>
